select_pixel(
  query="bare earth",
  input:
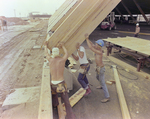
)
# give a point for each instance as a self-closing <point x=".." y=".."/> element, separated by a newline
<point x="22" y="67"/>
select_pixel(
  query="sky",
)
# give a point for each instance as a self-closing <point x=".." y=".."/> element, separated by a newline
<point x="21" y="8"/>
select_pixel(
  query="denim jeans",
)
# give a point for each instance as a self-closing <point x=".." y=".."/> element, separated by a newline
<point x="83" y="79"/>
<point x="101" y="78"/>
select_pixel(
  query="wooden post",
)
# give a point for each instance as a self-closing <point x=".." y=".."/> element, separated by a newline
<point x="141" y="11"/>
<point x="123" y="104"/>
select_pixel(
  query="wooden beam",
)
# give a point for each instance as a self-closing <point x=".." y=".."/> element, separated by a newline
<point x="123" y="104"/>
<point x="138" y="6"/>
<point x="45" y="107"/>
<point x="119" y="13"/>
<point x="127" y="10"/>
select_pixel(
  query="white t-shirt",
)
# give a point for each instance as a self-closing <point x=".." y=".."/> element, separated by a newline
<point x="84" y="59"/>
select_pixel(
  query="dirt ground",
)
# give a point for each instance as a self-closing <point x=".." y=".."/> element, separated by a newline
<point x="22" y="66"/>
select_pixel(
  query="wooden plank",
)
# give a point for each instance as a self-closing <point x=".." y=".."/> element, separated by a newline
<point x="45" y="107"/>
<point x="133" y="43"/>
<point x="60" y="13"/>
<point x="123" y="104"/>
<point x="87" y="26"/>
<point x="60" y="109"/>
<point x="75" y="97"/>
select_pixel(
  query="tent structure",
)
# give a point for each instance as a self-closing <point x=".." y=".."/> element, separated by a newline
<point x="133" y="7"/>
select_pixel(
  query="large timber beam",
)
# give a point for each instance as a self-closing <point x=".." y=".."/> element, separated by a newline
<point x="119" y="13"/>
<point x="127" y="10"/>
<point x="138" y="6"/>
<point x="73" y="28"/>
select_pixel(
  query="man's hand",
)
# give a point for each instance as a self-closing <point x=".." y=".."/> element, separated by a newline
<point x="61" y="44"/>
<point x="46" y="43"/>
<point x="86" y="36"/>
<point x="77" y="45"/>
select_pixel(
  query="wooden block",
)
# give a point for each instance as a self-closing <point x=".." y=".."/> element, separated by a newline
<point x="123" y="104"/>
<point x="109" y="82"/>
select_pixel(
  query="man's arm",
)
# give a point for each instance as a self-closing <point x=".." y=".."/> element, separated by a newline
<point x="65" y="57"/>
<point x="46" y="51"/>
<point x="75" y="57"/>
<point x="91" y="45"/>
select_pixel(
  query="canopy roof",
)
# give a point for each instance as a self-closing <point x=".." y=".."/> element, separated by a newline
<point x="130" y="4"/>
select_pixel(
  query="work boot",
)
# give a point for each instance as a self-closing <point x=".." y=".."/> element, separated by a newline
<point x="105" y="100"/>
<point x="88" y="91"/>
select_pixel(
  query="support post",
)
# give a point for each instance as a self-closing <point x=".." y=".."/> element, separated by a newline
<point x="123" y="104"/>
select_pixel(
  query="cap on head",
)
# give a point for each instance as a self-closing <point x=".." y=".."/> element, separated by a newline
<point x="55" y="52"/>
<point x="137" y="24"/>
<point x="100" y="42"/>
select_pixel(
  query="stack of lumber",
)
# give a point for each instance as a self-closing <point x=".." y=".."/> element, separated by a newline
<point x="74" y="19"/>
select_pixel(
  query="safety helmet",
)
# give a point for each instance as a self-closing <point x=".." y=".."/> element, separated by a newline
<point x="100" y="42"/>
<point x="137" y="24"/>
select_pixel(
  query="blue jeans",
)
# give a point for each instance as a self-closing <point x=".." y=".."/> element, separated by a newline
<point x="101" y="78"/>
<point x="83" y="79"/>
